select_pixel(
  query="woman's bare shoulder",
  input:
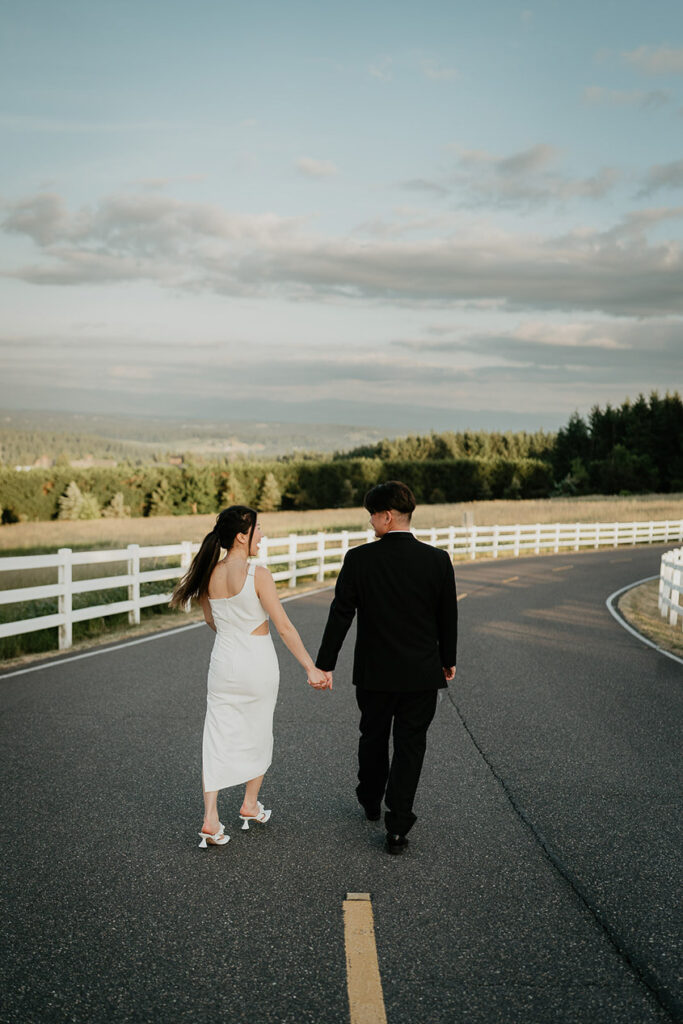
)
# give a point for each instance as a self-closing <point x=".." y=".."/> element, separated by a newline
<point x="262" y="574"/>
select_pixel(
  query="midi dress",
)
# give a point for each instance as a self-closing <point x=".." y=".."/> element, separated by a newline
<point x="242" y="688"/>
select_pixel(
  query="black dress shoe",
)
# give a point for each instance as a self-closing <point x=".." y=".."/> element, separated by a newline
<point x="395" y="844"/>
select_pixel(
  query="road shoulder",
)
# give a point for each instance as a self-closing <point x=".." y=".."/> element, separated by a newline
<point x="640" y="609"/>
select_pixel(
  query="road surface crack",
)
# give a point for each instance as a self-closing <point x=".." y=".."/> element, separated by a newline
<point x="643" y="972"/>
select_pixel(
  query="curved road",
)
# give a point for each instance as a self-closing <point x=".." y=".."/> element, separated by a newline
<point x="543" y="875"/>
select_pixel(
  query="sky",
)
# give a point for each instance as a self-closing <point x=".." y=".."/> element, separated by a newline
<point x="417" y="216"/>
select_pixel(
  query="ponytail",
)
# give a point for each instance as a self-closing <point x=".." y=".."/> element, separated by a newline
<point x="230" y="522"/>
<point x="195" y="582"/>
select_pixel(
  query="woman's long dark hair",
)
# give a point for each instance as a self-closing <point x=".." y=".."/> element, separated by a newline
<point x="229" y="522"/>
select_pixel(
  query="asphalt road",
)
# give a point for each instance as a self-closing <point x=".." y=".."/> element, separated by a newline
<point x="543" y="875"/>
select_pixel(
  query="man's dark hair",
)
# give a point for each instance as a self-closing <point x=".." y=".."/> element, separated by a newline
<point x="391" y="495"/>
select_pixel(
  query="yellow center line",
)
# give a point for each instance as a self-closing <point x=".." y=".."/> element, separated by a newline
<point x="461" y="596"/>
<point x="510" y="579"/>
<point x="366" y="1001"/>
<point x="561" y="568"/>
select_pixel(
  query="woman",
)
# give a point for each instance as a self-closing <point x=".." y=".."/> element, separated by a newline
<point x="238" y="598"/>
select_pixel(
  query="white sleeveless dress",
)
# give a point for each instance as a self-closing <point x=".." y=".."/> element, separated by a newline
<point x="242" y="689"/>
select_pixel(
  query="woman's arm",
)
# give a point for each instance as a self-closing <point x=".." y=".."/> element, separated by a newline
<point x="206" y="608"/>
<point x="267" y="595"/>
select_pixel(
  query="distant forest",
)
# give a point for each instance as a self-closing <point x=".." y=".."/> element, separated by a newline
<point x="637" y="447"/>
<point x="44" y="438"/>
<point x="633" y="449"/>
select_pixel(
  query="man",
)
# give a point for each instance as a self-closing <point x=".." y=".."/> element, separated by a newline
<point x="404" y="593"/>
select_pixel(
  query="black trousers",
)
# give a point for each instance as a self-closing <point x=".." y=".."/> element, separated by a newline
<point x="411" y="714"/>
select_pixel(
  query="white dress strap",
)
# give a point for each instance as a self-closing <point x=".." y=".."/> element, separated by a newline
<point x="251" y="568"/>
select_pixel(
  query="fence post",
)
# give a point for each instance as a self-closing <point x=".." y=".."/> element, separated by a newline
<point x="263" y="551"/>
<point x="597" y="535"/>
<point x="65" y="598"/>
<point x="185" y="563"/>
<point x="432" y="537"/>
<point x="557" y="537"/>
<point x="537" y="540"/>
<point x="321" y="556"/>
<point x="663" y="585"/>
<point x="676" y="577"/>
<point x="473" y="542"/>
<point x="495" y="541"/>
<point x="134" y="587"/>
<point x="291" y="556"/>
<point x="517" y="540"/>
<point x="577" y="537"/>
<point x="185" y="555"/>
<point x="451" y="542"/>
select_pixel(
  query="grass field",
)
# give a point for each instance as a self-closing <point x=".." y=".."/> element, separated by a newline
<point x="639" y="607"/>
<point x="19" y="538"/>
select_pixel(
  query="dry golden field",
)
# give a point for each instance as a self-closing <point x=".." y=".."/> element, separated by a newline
<point x="639" y="607"/>
<point x="171" y="529"/>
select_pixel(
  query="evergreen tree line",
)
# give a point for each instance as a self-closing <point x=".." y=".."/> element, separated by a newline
<point x="635" y="448"/>
<point x="467" y="444"/>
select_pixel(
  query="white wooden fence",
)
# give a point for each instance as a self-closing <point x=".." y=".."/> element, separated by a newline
<point x="671" y="585"/>
<point x="290" y="558"/>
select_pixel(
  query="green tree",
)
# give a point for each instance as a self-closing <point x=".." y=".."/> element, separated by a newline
<point x="231" y="491"/>
<point x="347" y="494"/>
<point x="161" y="502"/>
<point x="572" y="442"/>
<point x="71" y="502"/>
<point x="76" y="504"/>
<point x="90" y="507"/>
<point x="116" y="509"/>
<point x="270" y="496"/>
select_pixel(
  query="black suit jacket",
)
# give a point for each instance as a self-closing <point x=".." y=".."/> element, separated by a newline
<point x="404" y="593"/>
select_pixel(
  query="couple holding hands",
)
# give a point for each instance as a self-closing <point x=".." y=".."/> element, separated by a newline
<point x="403" y="592"/>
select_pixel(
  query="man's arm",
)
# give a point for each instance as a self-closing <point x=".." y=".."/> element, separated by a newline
<point x="340" y="617"/>
<point x="448" y="619"/>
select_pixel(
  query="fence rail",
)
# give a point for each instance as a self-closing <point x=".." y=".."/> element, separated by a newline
<point x="290" y="559"/>
<point x="671" y="585"/>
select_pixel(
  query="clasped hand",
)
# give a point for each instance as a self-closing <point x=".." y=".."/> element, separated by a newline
<point x="320" y="680"/>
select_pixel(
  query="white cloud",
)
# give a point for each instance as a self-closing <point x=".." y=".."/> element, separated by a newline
<point x="526" y="177"/>
<point x="662" y="176"/>
<point x="316" y="168"/>
<point x="571" y="335"/>
<point x="438" y="73"/>
<point x="656" y="60"/>
<point x="127" y="372"/>
<point x="195" y="246"/>
<point x="596" y="95"/>
<point x="532" y="365"/>
<point x="382" y="68"/>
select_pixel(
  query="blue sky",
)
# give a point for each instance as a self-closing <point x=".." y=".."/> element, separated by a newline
<point x="402" y="215"/>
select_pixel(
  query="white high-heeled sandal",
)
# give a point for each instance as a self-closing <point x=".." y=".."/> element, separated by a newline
<point x="217" y="839"/>
<point x="262" y="817"/>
